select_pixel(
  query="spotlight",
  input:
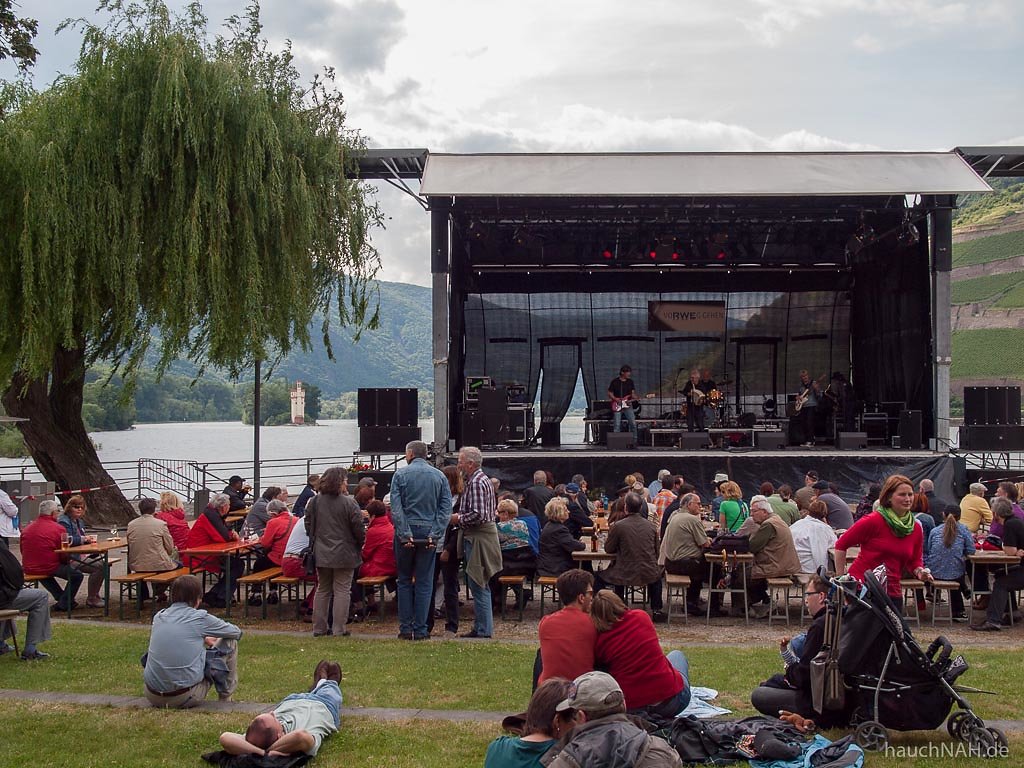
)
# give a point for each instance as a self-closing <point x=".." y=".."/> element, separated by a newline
<point x="608" y="253"/>
<point x="652" y="249"/>
<point x="908" y="235"/>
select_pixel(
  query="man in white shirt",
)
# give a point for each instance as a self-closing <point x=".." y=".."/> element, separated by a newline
<point x="813" y="538"/>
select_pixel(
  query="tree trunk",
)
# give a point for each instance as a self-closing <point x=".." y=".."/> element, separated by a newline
<point x="55" y="435"/>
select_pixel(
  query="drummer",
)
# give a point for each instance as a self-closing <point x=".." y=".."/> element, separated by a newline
<point x="694" y="399"/>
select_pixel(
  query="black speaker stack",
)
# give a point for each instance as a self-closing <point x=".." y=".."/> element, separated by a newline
<point x="992" y="419"/>
<point x="910" y="431"/>
<point x="388" y="419"/>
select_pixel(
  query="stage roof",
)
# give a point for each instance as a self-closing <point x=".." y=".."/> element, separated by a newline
<point x="700" y="174"/>
<point x="995" y="161"/>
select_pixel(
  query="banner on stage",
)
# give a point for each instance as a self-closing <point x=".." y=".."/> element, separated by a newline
<point x="687" y="316"/>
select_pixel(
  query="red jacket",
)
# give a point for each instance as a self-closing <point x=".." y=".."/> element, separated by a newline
<point x="38" y="542"/>
<point x="207" y="531"/>
<point x="175" y="519"/>
<point x="275" y="536"/>
<point x="630" y="652"/>
<point x="379" y="549"/>
<point x="567" y="639"/>
<point x="880" y="546"/>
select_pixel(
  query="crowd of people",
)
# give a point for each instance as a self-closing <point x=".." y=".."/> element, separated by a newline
<point x="599" y="660"/>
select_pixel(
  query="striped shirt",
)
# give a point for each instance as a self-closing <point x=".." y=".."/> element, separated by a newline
<point x="478" y="501"/>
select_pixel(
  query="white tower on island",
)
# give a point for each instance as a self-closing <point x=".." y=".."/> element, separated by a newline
<point x="298" y="395"/>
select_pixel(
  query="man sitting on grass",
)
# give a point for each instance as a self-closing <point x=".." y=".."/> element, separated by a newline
<point x="185" y="657"/>
<point x="300" y="723"/>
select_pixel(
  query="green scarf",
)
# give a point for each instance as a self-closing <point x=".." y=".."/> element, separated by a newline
<point x="900" y="526"/>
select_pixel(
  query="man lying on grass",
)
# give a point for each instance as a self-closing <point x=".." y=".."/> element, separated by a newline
<point x="300" y="723"/>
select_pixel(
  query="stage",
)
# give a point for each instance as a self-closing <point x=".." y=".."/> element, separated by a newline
<point x="850" y="470"/>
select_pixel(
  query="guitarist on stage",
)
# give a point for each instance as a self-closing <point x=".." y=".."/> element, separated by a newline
<point x="622" y="393"/>
<point x="694" y="396"/>
<point x="808" y="396"/>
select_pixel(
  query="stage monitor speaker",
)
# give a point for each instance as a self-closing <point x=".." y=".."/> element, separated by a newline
<point x="493" y="400"/>
<point x="621" y="441"/>
<point x="387" y="439"/>
<point x="551" y="434"/>
<point x="910" y="431"/>
<point x="994" y="438"/>
<point x="991" y="405"/>
<point x="771" y="441"/>
<point x="470" y="428"/>
<point x="693" y="441"/>
<point x="851" y="441"/>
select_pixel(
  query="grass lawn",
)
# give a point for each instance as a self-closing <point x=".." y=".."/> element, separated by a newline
<point x="116" y="738"/>
<point x="436" y="675"/>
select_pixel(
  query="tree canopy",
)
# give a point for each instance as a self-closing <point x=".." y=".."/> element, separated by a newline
<point x="179" y="184"/>
<point x="16" y="35"/>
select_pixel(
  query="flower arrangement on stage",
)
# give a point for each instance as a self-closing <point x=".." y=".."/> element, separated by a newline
<point x="355" y="468"/>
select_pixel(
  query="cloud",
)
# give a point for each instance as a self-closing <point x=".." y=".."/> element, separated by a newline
<point x="356" y="36"/>
<point x="868" y="44"/>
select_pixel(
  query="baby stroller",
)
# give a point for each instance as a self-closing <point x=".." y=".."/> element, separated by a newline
<point x="882" y="679"/>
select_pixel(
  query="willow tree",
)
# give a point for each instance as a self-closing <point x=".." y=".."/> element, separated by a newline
<point x="177" y="191"/>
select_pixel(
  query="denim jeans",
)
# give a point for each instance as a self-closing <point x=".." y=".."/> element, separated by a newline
<point x="415" y="600"/>
<point x="630" y="416"/>
<point x="483" y="618"/>
<point x="673" y="706"/>
<point x="327" y="693"/>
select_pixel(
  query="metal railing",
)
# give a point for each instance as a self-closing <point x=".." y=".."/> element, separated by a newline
<point x="151" y="476"/>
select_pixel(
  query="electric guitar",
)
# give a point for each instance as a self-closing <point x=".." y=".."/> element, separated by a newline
<point x="804" y="396"/>
<point x="618" y="403"/>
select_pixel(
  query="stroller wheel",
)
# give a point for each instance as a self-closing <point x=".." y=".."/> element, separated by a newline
<point x="871" y="735"/>
<point x="1000" y="737"/>
<point x="980" y="742"/>
<point x="960" y="724"/>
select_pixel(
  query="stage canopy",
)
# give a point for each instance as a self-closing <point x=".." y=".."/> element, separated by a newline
<point x="549" y="267"/>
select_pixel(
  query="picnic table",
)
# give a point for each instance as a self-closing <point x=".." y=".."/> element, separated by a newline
<point x="101" y="548"/>
<point x="224" y="550"/>
<point x="988" y="557"/>
<point x="741" y="559"/>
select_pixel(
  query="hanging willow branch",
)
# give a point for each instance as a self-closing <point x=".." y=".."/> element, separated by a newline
<point x="174" y="184"/>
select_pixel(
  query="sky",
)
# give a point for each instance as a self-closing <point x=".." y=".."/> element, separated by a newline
<point x="646" y="75"/>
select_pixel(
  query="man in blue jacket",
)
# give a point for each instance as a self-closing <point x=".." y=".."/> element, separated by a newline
<point x="421" y="506"/>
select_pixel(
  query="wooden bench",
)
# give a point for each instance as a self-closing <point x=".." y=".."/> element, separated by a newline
<point x="165" y="578"/>
<point x="7" y="616"/>
<point x="293" y="589"/>
<point x="676" y="584"/>
<point x="780" y="588"/>
<point x="938" y="587"/>
<point x="258" y="580"/>
<point x="378" y="583"/>
<point x="518" y="584"/>
<point x="130" y="584"/>
<point x="910" y="587"/>
<point x="547" y="583"/>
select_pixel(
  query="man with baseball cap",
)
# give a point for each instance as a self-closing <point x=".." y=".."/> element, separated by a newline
<point x="602" y="735"/>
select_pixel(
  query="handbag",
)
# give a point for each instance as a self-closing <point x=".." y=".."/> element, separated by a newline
<point x="308" y="555"/>
<point x="730" y="542"/>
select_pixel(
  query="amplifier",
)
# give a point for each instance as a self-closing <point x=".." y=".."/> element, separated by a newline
<point x="600" y="409"/>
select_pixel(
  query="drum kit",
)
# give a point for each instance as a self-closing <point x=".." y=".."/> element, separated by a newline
<point x="718" y="412"/>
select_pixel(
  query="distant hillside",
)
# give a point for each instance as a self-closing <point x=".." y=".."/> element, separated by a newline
<point x="397" y="354"/>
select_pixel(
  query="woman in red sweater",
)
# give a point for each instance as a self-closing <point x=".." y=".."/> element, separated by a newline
<point x="628" y="649"/>
<point x="172" y="513"/>
<point x="891" y="537"/>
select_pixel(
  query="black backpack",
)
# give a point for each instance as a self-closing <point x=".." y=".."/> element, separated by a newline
<point x="724" y="741"/>
<point x="12" y="577"/>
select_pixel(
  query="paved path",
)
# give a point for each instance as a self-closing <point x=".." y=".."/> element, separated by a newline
<point x="378" y="713"/>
